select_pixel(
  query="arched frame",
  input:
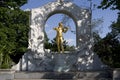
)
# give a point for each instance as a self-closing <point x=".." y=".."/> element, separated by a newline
<point x="39" y="16"/>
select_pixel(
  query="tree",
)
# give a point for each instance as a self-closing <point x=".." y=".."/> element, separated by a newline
<point x="14" y="4"/>
<point x="47" y="44"/>
<point x="113" y="4"/>
<point x="13" y="31"/>
<point x="108" y="48"/>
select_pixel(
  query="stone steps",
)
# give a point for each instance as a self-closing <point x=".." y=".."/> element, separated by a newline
<point x="81" y="75"/>
<point x="43" y="75"/>
<point x="68" y="79"/>
<point x="94" y="75"/>
<point x="32" y="79"/>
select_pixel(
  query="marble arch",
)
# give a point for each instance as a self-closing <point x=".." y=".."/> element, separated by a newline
<point x="39" y="16"/>
<point x="37" y="59"/>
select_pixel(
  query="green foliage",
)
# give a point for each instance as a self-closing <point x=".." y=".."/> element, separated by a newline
<point x="113" y="4"/>
<point x="53" y="45"/>
<point x="47" y="45"/>
<point x="108" y="48"/>
<point x="116" y="26"/>
<point x="13" y="32"/>
<point x="12" y="3"/>
<point x="6" y="62"/>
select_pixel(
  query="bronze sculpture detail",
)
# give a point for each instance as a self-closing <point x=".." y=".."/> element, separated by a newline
<point x="59" y="37"/>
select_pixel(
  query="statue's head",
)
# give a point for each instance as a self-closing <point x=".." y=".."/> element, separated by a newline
<point x="60" y="24"/>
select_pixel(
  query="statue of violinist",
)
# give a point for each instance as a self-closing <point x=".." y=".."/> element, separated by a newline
<point x="59" y="37"/>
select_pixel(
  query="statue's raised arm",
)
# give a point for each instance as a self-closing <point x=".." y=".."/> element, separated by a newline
<point x="65" y="29"/>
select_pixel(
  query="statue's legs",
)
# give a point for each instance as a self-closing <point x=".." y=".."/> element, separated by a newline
<point x="61" y="44"/>
<point x="58" y="44"/>
<point x="62" y="48"/>
<point x="58" y="48"/>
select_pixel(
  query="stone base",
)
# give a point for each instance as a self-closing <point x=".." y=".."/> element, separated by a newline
<point x="116" y="74"/>
<point x="6" y="74"/>
<point x="59" y="62"/>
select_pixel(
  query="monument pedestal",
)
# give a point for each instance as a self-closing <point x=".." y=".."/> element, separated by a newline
<point x="59" y="62"/>
<point x="64" y="62"/>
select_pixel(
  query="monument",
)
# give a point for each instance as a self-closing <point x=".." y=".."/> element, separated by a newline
<point x="38" y="59"/>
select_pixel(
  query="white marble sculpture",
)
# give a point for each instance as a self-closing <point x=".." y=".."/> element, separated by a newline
<point x="37" y="59"/>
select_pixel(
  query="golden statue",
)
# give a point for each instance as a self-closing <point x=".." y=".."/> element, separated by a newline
<point x="59" y="36"/>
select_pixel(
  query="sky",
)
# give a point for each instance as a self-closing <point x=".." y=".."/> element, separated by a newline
<point x="107" y="15"/>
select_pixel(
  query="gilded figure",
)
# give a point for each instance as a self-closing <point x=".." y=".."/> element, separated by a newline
<point x="59" y="37"/>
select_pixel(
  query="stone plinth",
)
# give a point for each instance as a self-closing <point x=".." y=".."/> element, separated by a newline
<point x="58" y="62"/>
<point x="64" y="62"/>
<point x="6" y="74"/>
